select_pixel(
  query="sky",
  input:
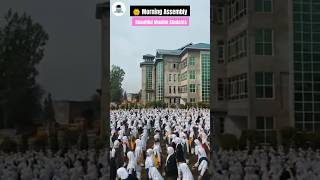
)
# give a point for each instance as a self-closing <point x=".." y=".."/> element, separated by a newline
<point x="70" y="69"/>
<point x="129" y="44"/>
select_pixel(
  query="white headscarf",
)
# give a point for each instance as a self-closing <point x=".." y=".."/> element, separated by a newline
<point x="154" y="174"/>
<point x="122" y="173"/>
<point x="149" y="160"/>
<point x="186" y="173"/>
<point x="138" y="150"/>
<point x="170" y="151"/>
<point x="132" y="161"/>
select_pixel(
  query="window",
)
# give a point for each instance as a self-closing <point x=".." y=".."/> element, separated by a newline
<point x="264" y="85"/>
<point x="174" y="78"/>
<point x="237" y="46"/>
<point x="159" y="82"/>
<point x="192" y="100"/>
<point x="237" y="9"/>
<point x="192" y="88"/>
<point x="169" y="89"/>
<point x="170" y="77"/>
<point x="184" y="76"/>
<point x="218" y="15"/>
<point x="149" y="77"/>
<point x="264" y="126"/>
<point x="205" y="77"/>
<point x="220" y="89"/>
<point x="183" y="89"/>
<point x="192" y="61"/>
<point x="264" y="42"/>
<point x="220" y="52"/>
<point x="174" y="89"/>
<point x="263" y="5"/>
<point x="237" y="87"/>
<point x="174" y="66"/>
<point x="192" y="74"/>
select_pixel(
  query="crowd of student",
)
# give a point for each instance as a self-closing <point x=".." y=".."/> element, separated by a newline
<point x="160" y="144"/>
<point x="157" y="144"/>
<point x="267" y="164"/>
<point x="71" y="165"/>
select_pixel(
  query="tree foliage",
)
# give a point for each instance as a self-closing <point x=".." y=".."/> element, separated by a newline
<point x="22" y="43"/>
<point x="116" y="79"/>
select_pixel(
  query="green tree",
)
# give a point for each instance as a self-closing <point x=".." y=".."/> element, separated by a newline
<point x="116" y="78"/>
<point x="22" y="43"/>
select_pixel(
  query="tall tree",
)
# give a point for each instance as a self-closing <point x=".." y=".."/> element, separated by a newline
<point x="116" y="79"/>
<point x="22" y="43"/>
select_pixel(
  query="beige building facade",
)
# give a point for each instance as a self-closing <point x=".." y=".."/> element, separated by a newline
<point x="178" y="76"/>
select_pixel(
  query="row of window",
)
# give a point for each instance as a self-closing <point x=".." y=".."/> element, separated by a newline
<point x="238" y="9"/>
<point x="160" y="79"/>
<point x="174" y="100"/>
<point x="172" y="89"/>
<point x="310" y="76"/>
<point x="237" y="86"/>
<point x="264" y="127"/>
<point x="310" y="106"/>
<point x="237" y="46"/>
<point x="184" y="89"/>
<point x="184" y="63"/>
<point x="184" y="76"/>
<point x="306" y="37"/>
<point x="149" y="77"/>
<point x="205" y="76"/>
<point x="306" y="86"/>
<point x="306" y="6"/>
<point x="174" y="77"/>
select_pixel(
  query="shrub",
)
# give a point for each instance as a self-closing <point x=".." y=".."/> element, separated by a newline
<point x="203" y="105"/>
<point x="53" y="142"/>
<point x="287" y="136"/>
<point x="83" y="141"/>
<point x="182" y="106"/>
<point x="8" y="145"/>
<point x="248" y="138"/>
<point x="40" y="141"/>
<point x="23" y="144"/>
<point x="99" y="143"/>
<point x="228" y="141"/>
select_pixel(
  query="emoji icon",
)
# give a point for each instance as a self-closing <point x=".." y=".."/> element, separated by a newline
<point x="136" y="12"/>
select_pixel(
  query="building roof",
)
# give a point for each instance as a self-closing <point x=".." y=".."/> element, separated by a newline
<point x="148" y="55"/>
<point x="179" y="51"/>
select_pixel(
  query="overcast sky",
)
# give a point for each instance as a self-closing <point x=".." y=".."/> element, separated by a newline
<point x="70" y="69"/>
<point x="129" y="44"/>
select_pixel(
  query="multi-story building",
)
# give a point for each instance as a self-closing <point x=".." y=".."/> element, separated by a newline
<point x="266" y="65"/>
<point x="177" y="76"/>
<point x="148" y="81"/>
